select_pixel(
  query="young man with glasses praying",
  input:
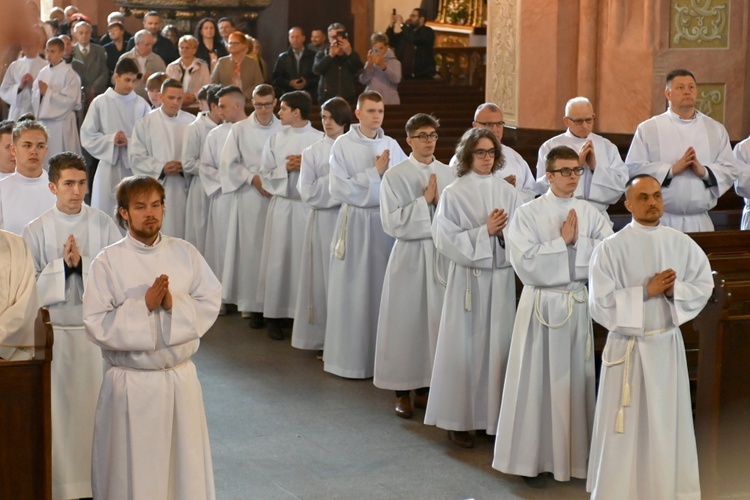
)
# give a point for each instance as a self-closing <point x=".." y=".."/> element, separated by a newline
<point x="547" y="408"/>
<point x="604" y="173"/>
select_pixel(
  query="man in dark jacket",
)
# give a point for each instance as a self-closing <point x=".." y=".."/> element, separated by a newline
<point x="337" y="66"/>
<point x="413" y="41"/>
<point x="294" y="67"/>
<point x="162" y="46"/>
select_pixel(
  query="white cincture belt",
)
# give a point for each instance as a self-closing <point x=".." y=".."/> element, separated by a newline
<point x="168" y="368"/>
<point x="68" y="328"/>
<point x="625" y="390"/>
<point x="579" y="295"/>
<point x="467" y="296"/>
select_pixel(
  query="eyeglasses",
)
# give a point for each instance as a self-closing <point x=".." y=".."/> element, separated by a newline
<point x="492" y="124"/>
<point x="423" y="137"/>
<point x="261" y="105"/>
<point x="567" y="172"/>
<point x="482" y="153"/>
<point x="581" y="121"/>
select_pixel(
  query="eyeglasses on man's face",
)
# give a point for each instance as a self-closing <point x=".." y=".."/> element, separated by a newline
<point x="483" y="153"/>
<point x="261" y="105"/>
<point x="424" y="137"/>
<point x="581" y="121"/>
<point x="491" y="124"/>
<point x="567" y="172"/>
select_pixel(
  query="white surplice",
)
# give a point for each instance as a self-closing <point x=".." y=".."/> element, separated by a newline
<point x="196" y="213"/>
<point x="359" y="253"/>
<point x="77" y="366"/>
<point x="19" y="302"/>
<point x="414" y="284"/>
<point x="108" y="114"/>
<point x="525" y="184"/>
<point x="479" y="305"/>
<point x="239" y="164"/>
<point x="662" y="140"/>
<point x="57" y="108"/>
<point x="218" y="205"/>
<point x="644" y="446"/>
<point x="547" y="409"/>
<point x="742" y="184"/>
<point x="601" y="187"/>
<point x="312" y="288"/>
<point x="285" y="221"/>
<point x="19" y="102"/>
<point x="157" y="139"/>
<point x="150" y="434"/>
<point x="23" y="199"/>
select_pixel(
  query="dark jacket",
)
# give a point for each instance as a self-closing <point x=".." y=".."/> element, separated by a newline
<point x="337" y="75"/>
<point x="163" y="47"/>
<point x="203" y="52"/>
<point x="285" y="70"/>
<point x="415" y="44"/>
<point x="113" y="55"/>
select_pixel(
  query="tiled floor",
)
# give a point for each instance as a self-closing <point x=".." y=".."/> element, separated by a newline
<point x="282" y="428"/>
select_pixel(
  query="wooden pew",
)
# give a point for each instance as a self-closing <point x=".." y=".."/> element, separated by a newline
<point x="25" y="417"/>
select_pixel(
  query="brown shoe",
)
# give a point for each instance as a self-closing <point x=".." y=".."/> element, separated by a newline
<point x="461" y="438"/>
<point x="403" y="407"/>
<point x="420" y="400"/>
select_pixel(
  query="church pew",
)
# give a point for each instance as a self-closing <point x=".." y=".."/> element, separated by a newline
<point x="25" y="417"/>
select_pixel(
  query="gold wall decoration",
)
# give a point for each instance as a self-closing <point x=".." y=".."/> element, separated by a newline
<point x="503" y="57"/>
<point x="712" y="100"/>
<point x="699" y="24"/>
<point x="462" y="12"/>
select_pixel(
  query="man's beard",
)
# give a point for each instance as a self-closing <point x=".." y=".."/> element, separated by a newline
<point x="146" y="232"/>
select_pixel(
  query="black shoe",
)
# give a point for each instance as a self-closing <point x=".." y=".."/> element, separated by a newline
<point x="256" y="321"/>
<point x="537" y="482"/>
<point x="274" y="330"/>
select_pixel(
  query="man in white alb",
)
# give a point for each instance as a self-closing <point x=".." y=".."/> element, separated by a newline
<point x="604" y="172"/>
<point x="688" y="153"/>
<point x="360" y="247"/>
<point x="148" y="301"/>
<point x="287" y="213"/>
<point x="156" y="150"/>
<point x="63" y="241"/>
<point x="106" y="132"/>
<point x="645" y="281"/>
<point x="19" y="302"/>
<point x="742" y="184"/>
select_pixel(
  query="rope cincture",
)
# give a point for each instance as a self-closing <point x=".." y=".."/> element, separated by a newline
<point x="572" y="299"/>
<point x="339" y="250"/>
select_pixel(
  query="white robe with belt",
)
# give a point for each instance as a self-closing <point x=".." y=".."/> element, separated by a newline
<point x="359" y="253"/>
<point x="284" y="234"/>
<point x="414" y="284"/>
<point x="547" y="409"/>
<point x="77" y="366"/>
<point x="19" y="102"/>
<point x="239" y="164"/>
<point x="108" y="114"/>
<point x="662" y="140"/>
<point x="312" y="288"/>
<point x="150" y="434"/>
<point x="644" y="446"/>
<point x="23" y="199"/>
<point x="742" y="184"/>
<point x="157" y="139"/>
<point x="57" y="108"/>
<point x="19" y="302"/>
<point x="479" y="306"/>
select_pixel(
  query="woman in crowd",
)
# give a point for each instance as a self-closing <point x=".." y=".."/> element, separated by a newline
<point x="255" y="50"/>
<point x="189" y="70"/>
<point x="116" y="47"/>
<point x="171" y="33"/>
<point x="210" y="47"/>
<point x="382" y="71"/>
<point x="237" y="68"/>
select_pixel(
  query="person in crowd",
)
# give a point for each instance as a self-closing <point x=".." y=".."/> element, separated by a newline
<point x="293" y="68"/>
<point x="312" y="290"/>
<point x="63" y="241"/>
<point x="255" y="51"/>
<point x="360" y="247"/>
<point x="7" y="158"/>
<point x="604" y="173"/>
<point x="153" y="88"/>
<point x="414" y="42"/>
<point x="115" y="17"/>
<point x="116" y="46"/>
<point x="646" y="280"/>
<point x="149" y="62"/>
<point x="237" y="68"/>
<point x="337" y="66"/>
<point x="547" y="401"/>
<point x="382" y="71"/>
<point x="226" y="28"/>
<point x="189" y="70"/>
<point x="318" y="40"/>
<point x="210" y="45"/>
<point x="93" y="64"/>
<point x="18" y="80"/>
<point x="412" y="302"/>
<point x="148" y="301"/>
<point x="688" y="152"/>
<point x="171" y="33"/>
<point x="162" y="46"/>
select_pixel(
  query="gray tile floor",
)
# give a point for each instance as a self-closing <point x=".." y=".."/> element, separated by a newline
<point x="282" y="428"/>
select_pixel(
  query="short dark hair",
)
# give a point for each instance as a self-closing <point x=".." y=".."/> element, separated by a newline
<point x="465" y="150"/>
<point x="369" y="95"/>
<point x="340" y="110"/>
<point x="679" y="72"/>
<point x="128" y="66"/>
<point x="133" y="187"/>
<point x="421" y="12"/>
<point x="6" y="127"/>
<point x="298" y="99"/>
<point x="208" y="93"/>
<point x="263" y="90"/>
<point x="64" y="161"/>
<point x="558" y="153"/>
<point x="224" y="20"/>
<point x="55" y="42"/>
<point x="230" y="90"/>
<point x="636" y="177"/>
<point x="170" y="83"/>
<point x="24" y="125"/>
<point x="421" y="120"/>
<point x="155" y="81"/>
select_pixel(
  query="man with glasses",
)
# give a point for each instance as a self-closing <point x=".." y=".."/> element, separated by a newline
<point x="548" y="398"/>
<point x="515" y="171"/>
<point x="604" y="172"/>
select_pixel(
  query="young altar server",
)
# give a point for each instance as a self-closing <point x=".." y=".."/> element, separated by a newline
<point x="19" y="78"/>
<point x="312" y="289"/>
<point x="148" y="301"/>
<point x="56" y="96"/>
<point x="106" y="133"/>
<point x="646" y="281"/>
<point x="63" y="241"/>
<point x="547" y="408"/>
<point x="239" y="174"/>
<point x="469" y="228"/>
<point x="19" y="302"/>
<point x="156" y="150"/>
<point x="414" y="283"/>
<point x="287" y="213"/>
<point x="360" y="247"/>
